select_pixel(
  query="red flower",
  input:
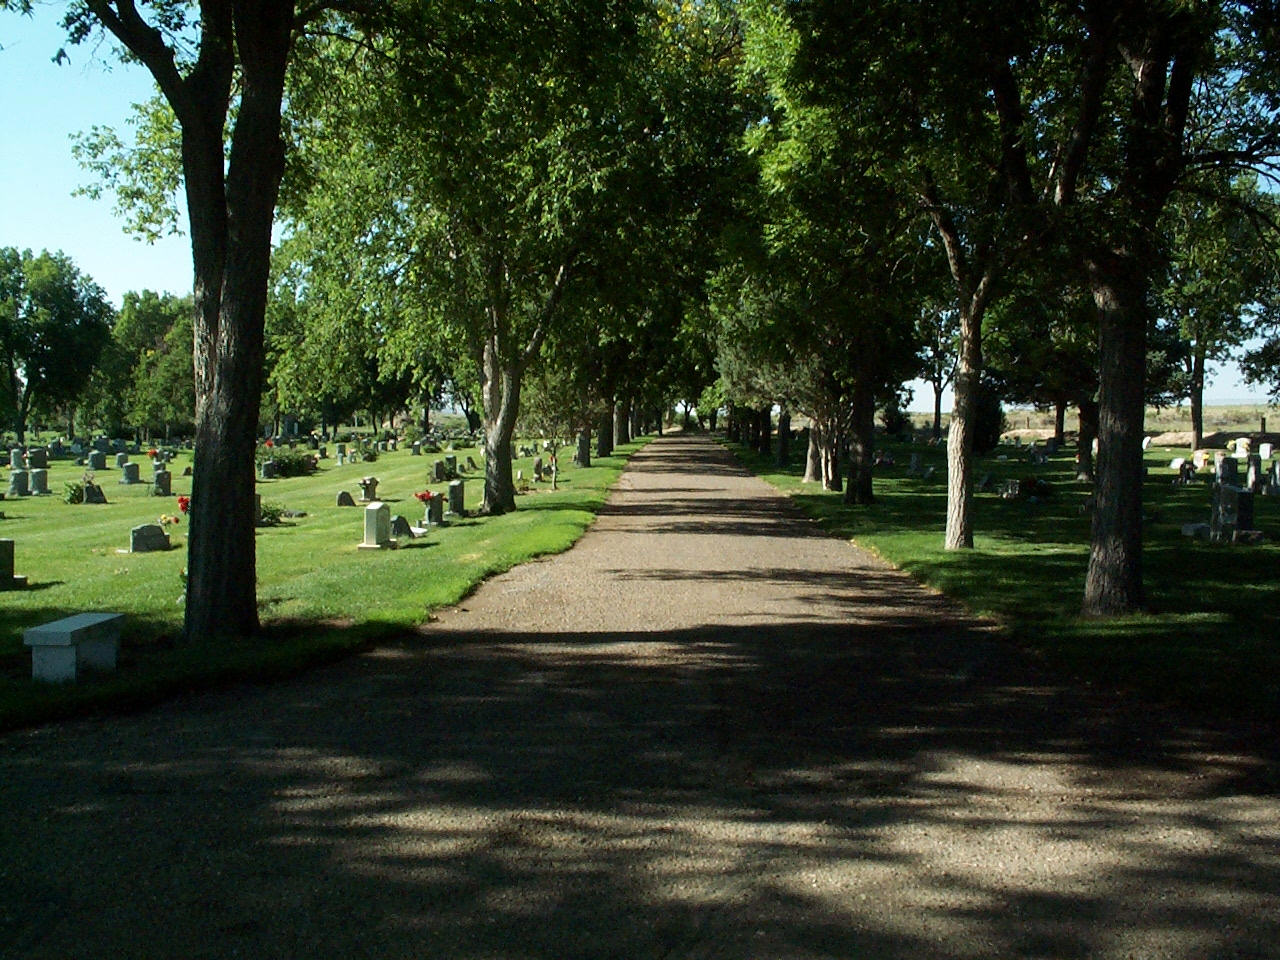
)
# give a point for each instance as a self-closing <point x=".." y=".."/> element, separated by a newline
<point x="424" y="495"/>
<point x="184" y="504"/>
<point x="152" y="453"/>
<point x="268" y="444"/>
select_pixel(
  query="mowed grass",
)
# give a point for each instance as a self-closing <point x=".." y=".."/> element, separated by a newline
<point x="1210" y="638"/>
<point x="319" y="596"/>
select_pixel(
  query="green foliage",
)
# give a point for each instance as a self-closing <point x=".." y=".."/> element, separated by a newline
<point x="989" y="420"/>
<point x="73" y="492"/>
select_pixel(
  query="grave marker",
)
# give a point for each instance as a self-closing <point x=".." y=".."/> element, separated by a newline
<point x="130" y="474"/>
<point x="121" y="460"/>
<point x="97" y="460"/>
<point x="9" y="580"/>
<point x="377" y="527"/>
<point x="162" y="483"/>
<point x="148" y="538"/>
<point x="455" y="499"/>
<point x="18" y="481"/>
<point x="345" y="499"/>
<point x="400" y="529"/>
<point x="38" y="458"/>
<point x="39" y="482"/>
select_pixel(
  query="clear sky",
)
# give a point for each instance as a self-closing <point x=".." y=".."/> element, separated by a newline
<point x="45" y="103"/>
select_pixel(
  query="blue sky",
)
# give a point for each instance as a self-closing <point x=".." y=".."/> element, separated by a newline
<point x="45" y="103"/>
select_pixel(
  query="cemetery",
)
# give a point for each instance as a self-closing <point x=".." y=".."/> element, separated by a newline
<point x="318" y="562"/>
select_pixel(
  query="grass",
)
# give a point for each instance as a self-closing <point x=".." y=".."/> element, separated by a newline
<point x="1210" y="639"/>
<point x="319" y="596"/>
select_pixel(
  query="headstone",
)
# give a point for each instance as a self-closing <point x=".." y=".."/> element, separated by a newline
<point x="16" y="461"/>
<point x="400" y="529"/>
<point x="121" y="460"/>
<point x="985" y="483"/>
<point x="345" y="499"/>
<point x="38" y="458"/>
<point x="1199" y="531"/>
<point x="342" y="449"/>
<point x="77" y="448"/>
<point x="1232" y="511"/>
<point x="93" y="494"/>
<point x="342" y="459"/>
<point x="368" y="489"/>
<point x="913" y="467"/>
<point x="377" y="527"/>
<point x="97" y="460"/>
<point x="455" y="498"/>
<point x="451" y="466"/>
<point x="147" y="538"/>
<point x="119" y="446"/>
<point x="323" y="451"/>
<point x="471" y="464"/>
<point x="1242" y="447"/>
<point x="537" y="468"/>
<point x="382" y="446"/>
<point x="1200" y="458"/>
<point x="1264" y="450"/>
<point x="39" y="482"/>
<point x="393" y="444"/>
<point x="1012" y="490"/>
<point x="1254" y="477"/>
<point x="8" y="580"/>
<point x="102" y="444"/>
<point x="437" y="471"/>
<point x="130" y="474"/>
<point x="313" y="443"/>
<point x="1187" y="473"/>
<point x="1051" y="446"/>
<point x="1146" y="443"/>
<point x="416" y="449"/>
<point x="162" y="483"/>
<point x="1228" y="470"/>
<point x="269" y="471"/>
<point x="18" y="480"/>
<point x="434" y="515"/>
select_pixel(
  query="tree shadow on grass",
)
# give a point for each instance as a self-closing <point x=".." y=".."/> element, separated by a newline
<point x="886" y="790"/>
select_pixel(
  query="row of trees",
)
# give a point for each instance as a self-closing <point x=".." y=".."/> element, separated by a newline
<point x="593" y="207"/>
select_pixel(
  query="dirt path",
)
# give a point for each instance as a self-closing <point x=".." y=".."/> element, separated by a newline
<point x="708" y="731"/>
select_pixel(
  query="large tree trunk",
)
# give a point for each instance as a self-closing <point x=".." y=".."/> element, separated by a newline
<point x="813" y="456"/>
<point x="230" y="221"/>
<point x="1196" y="395"/>
<point x="764" y="437"/>
<point x="583" y="455"/>
<point x="937" y="410"/>
<point x="1113" y="583"/>
<point x="1088" y="432"/>
<point x="862" y="439"/>
<point x="831" y="478"/>
<point x="622" y="421"/>
<point x="1060" y="419"/>
<point x="604" y="435"/>
<point x="500" y="391"/>
<point x="784" y="437"/>
<point x="959" y="534"/>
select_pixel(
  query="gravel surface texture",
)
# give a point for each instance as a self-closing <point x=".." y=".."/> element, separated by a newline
<point x="707" y="731"/>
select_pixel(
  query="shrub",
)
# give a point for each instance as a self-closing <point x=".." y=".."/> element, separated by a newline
<point x="73" y="492"/>
<point x="270" y="515"/>
<point x="294" y="463"/>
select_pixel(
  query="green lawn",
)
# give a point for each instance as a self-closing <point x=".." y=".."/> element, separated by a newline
<point x="1211" y="637"/>
<point x="319" y="596"/>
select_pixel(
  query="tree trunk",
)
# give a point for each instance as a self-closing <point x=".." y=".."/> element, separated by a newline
<point x="1113" y="583"/>
<point x="784" y="437"/>
<point x="1060" y="419"/>
<point x="1088" y="432"/>
<point x="813" y="456"/>
<point x="764" y="439"/>
<point x="937" y="410"/>
<point x="604" y="435"/>
<point x="500" y="391"/>
<point x="583" y="455"/>
<point x="831" y="478"/>
<point x="862" y="439"/>
<point x="1196" y="391"/>
<point x="621" y="422"/>
<point x="959" y="534"/>
<point x="635" y="427"/>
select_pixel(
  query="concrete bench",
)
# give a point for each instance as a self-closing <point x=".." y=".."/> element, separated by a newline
<point x="61" y="648"/>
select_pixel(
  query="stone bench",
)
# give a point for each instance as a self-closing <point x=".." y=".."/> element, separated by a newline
<point x="59" y="649"/>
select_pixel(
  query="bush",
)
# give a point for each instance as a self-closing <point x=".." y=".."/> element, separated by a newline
<point x="73" y="492"/>
<point x="988" y="419"/>
<point x="294" y="463"/>
<point x="270" y="515"/>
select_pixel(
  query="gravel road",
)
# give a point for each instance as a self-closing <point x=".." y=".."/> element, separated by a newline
<point x="707" y="731"/>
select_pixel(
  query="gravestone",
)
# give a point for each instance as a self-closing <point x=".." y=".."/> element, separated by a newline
<point x="345" y="499"/>
<point x="455" y="499"/>
<point x="1228" y="470"/>
<point x="38" y="458"/>
<point x="119" y="446"/>
<point x="1187" y="473"/>
<point x="313" y="443"/>
<point x="382" y="446"/>
<point x="269" y="470"/>
<point x="437" y="471"/>
<point x="1253" y="477"/>
<point x="97" y="460"/>
<point x="342" y="459"/>
<point x="416" y="449"/>
<point x="914" y="466"/>
<point x="39" y="482"/>
<point x="1146" y="443"/>
<point x="16" y="462"/>
<point x="130" y="474"/>
<point x="471" y="464"/>
<point x="162" y="484"/>
<point x="400" y="529"/>
<point x="1051" y="446"/>
<point x="148" y="538"/>
<point x="1264" y="450"/>
<point x="121" y="460"/>
<point x="434" y="515"/>
<point x="8" y="580"/>
<point x="368" y="489"/>
<point x="93" y="494"/>
<point x="323" y="451"/>
<point x="1012" y="490"/>
<point x="393" y="444"/>
<point x="18" y="481"/>
<point x="451" y="466"/>
<point x="342" y="449"/>
<point x="102" y="444"/>
<point x="985" y="483"/>
<point x="377" y="527"/>
<point x="1232" y="512"/>
<point x="537" y="469"/>
<point x="1242" y="447"/>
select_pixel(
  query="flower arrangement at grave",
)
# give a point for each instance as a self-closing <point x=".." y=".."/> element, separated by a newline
<point x="426" y="496"/>
<point x="184" y="504"/>
<point x="165" y="519"/>
<point x="153" y="453"/>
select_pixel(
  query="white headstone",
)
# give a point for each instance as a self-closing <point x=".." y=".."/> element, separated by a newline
<point x="377" y="527"/>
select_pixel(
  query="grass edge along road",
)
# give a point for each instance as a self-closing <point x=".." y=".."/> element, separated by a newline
<point x="319" y="596"/>
<point x="1210" y="641"/>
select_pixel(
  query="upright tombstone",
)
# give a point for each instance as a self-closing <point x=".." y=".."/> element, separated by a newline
<point x="39" y="482"/>
<point x="342" y="459"/>
<point x="148" y="538"/>
<point x="400" y="529"/>
<point x="18" y="484"/>
<point x="451" y="466"/>
<point x="323" y="452"/>
<point x="416" y="449"/>
<point x="368" y="489"/>
<point x="8" y="580"/>
<point x="269" y="471"/>
<point x="130" y="474"/>
<point x="537" y="469"/>
<point x="93" y="494"/>
<point x="437" y="471"/>
<point x="97" y="460"/>
<point x="121" y="460"/>
<point x="434" y="515"/>
<point x="162" y="484"/>
<point x="341" y="449"/>
<point x="1264" y="450"/>
<point x="16" y="460"/>
<point x="471" y="464"/>
<point x="345" y="499"/>
<point x="102" y="444"/>
<point x="1253" y="473"/>
<point x="377" y="527"/>
<point x="38" y="458"/>
<point x="1228" y="470"/>
<point x="456" y="507"/>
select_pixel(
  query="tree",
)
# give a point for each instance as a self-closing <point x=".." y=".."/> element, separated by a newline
<point x="54" y="323"/>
